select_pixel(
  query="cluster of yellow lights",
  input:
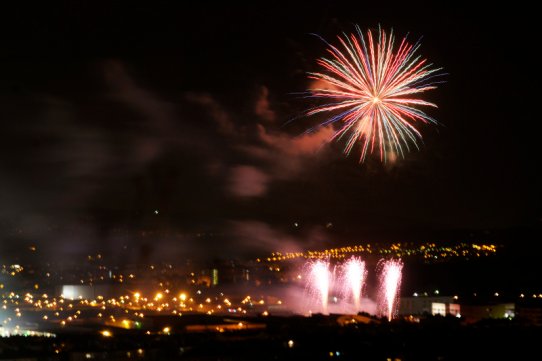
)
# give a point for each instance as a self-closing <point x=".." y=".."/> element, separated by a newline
<point x="11" y="270"/>
<point x="426" y="250"/>
<point x="123" y="311"/>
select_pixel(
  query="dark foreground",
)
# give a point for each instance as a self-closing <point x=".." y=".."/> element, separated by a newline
<point x="288" y="338"/>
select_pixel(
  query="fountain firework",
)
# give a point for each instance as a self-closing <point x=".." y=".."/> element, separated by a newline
<point x="350" y="282"/>
<point x="390" y="282"/>
<point x="353" y="278"/>
<point x="319" y="281"/>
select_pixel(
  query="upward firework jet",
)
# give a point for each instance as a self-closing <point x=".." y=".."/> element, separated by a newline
<point x="354" y="274"/>
<point x="390" y="282"/>
<point x="319" y="279"/>
<point x="372" y="88"/>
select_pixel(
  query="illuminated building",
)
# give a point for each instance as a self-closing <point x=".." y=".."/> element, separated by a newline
<point x="424" y="305"/>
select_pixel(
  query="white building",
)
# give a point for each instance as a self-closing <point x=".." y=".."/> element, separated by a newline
<point x="420" y="305"/>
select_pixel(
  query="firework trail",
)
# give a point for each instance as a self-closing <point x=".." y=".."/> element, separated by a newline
<point x="319" y="282"/>
<point x="390" y="282"/>
<point x="353" y="279"/>
<point x="372" y="90"/>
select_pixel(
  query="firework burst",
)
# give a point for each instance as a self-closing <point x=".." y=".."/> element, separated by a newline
<point x="372" y="88"/>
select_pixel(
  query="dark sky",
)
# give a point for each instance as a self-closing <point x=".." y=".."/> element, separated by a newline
<point x="110" y="112"/>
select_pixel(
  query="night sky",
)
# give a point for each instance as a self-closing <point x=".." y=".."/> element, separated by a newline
<point x="112" y="112"/>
